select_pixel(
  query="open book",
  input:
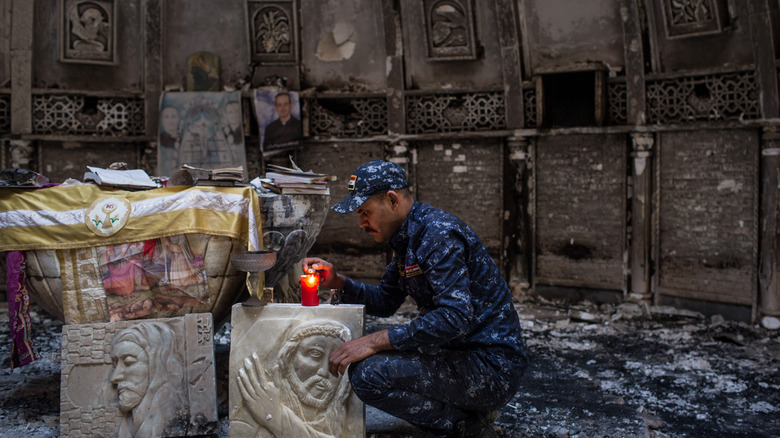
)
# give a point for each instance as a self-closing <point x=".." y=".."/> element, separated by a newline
<point x="135" y="178"/>
<point x="222" y="174"/>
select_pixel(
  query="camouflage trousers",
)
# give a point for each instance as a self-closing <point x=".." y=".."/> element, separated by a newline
<point x="435" y="392"/>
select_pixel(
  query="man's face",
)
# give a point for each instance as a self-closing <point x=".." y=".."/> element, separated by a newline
<point x="131" y="374"/>
<point x="311" y="380"/>
<point x="283" y="106"/>
<point x="376" y="218"/>
<point x="170" y="120"/>
<point x="233" y="114"/>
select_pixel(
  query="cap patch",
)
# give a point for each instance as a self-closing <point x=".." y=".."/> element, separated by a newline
<point x="352" y="181"/>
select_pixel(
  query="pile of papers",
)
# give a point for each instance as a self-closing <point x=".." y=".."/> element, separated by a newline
<point x="287" y="181"/>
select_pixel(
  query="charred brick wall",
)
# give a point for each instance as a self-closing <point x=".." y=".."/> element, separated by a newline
<point x="580" y="210"/>
<point x="706" y="205"/>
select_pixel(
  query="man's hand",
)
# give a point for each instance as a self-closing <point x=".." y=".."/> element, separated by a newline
<point x="329" y="278"/>
<point x="357" y="350"/>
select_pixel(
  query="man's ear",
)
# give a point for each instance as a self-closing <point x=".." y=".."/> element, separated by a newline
<point x="392" y="197"/>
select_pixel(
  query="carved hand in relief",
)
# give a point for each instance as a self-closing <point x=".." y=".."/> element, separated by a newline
<point x="261" y="396"/>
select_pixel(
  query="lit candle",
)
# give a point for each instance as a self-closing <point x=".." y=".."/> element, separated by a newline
<point x="309" y="286"/>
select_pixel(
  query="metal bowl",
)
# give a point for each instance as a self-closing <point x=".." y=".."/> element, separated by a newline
<point x="253" y="261"/>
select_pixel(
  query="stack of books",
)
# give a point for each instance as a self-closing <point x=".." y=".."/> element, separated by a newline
<point x="226" y="176"/>
<point x="287" y="181"/>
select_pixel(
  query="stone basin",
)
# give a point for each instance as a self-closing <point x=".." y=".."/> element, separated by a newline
<point x="291" y="224"/>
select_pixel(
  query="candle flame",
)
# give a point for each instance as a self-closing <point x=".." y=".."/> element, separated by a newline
<point x="312" y="280"/>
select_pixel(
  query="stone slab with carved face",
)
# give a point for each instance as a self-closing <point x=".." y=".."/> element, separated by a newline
<point x="139" y="378"/>
<point x="279" y="380"/>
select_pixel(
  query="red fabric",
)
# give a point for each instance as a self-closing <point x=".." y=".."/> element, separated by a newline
<point x="22" y="345"/>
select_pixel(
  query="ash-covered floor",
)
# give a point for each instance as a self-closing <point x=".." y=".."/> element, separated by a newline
<point x="596" y="371"/>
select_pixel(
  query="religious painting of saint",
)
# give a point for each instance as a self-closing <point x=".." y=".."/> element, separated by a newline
<point x="200" y="129"/>
<point x="203" y="72"/>
<point x="279" y="119"/>
<point x="153" y="278"/>
<point x="88" y="32"/>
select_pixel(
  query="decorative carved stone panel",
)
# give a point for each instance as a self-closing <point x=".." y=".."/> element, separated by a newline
<point x="686" y="99"/>
<point x="453" y="112"/>
<point x="72" y="114"/>
<point x="139" y="378"/>
<point x="272" y="31"/>
<point x="88" y="32"/>
<point x="691" y="17"/>
<point x="449" y="30"/>
<point x="279" y="380"/>
<point x="348" y="117"/>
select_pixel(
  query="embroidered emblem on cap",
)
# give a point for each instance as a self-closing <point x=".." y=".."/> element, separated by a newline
<point x="352" y="181"/>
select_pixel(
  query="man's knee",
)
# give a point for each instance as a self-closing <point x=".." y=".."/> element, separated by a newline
<point x="366" y="380"/>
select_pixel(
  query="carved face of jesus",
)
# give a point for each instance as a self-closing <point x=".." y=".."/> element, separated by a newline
<point x="309" y="376"/>
<point x="131" y="374"/>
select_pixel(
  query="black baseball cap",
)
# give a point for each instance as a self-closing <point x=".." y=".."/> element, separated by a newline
<point x="374" y="177"/>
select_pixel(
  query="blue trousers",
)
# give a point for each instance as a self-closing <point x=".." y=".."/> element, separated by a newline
<point x="435" y="392"/>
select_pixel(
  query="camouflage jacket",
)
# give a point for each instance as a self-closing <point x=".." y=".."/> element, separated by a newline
<point x="464" y="301"/>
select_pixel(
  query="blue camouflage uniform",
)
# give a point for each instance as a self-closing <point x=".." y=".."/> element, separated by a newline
<point x="464" y="353"/>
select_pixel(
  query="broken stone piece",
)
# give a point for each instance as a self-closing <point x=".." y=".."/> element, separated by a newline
<point x="770" y="323"/>
<point x="279" y="380"/>
<point x="139" y="378"/>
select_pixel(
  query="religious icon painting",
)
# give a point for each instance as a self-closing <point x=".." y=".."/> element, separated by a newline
<point x="203" y="72"/>
<point x="279" y="119"/>
<point x="202" y="130"/>
<point x="88" y="32"/>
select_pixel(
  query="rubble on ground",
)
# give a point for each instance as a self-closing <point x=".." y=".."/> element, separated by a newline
<point x="617" y="370"/>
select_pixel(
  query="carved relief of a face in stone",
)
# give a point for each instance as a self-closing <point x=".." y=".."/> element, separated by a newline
<point x="308" y="373"/>
<point x="131" y="374"/>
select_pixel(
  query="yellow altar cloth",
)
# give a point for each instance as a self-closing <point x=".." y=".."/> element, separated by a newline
<point x="71" y="217"/>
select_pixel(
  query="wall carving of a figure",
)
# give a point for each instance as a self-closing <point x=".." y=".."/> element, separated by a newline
<point x="88" y="32"/>
<point x="449" y="29"/>
<point x="139" y="378"/>
<point x="283" y="388"/>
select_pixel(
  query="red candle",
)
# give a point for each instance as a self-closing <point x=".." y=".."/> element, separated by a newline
<point x="309" y="285"/>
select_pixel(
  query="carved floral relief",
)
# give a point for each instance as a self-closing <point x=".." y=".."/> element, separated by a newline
<point x="272" y="31"/>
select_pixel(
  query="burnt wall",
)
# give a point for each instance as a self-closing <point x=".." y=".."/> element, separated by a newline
<point x="184" y="24"/>
<point x="425" y="70"/>
<point x="5" y="43"/>
<point x="706" y="204"/>
<point x="462" y="178"/>
<point x="342" y="45"/>
<point x="580" y="210"/>
<point x="724" y="25"/>
<point x="561" y="33"/>
<point x="128" y="72"/>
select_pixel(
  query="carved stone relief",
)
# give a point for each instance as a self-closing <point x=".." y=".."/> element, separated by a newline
<point x="279" y="380"/>
<point x="449" y="29"/>
<point x="272" y="31"/>
<point x="139" y="378"/>
<point x="88" y="32"/>
<point x="691" y="17"/>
